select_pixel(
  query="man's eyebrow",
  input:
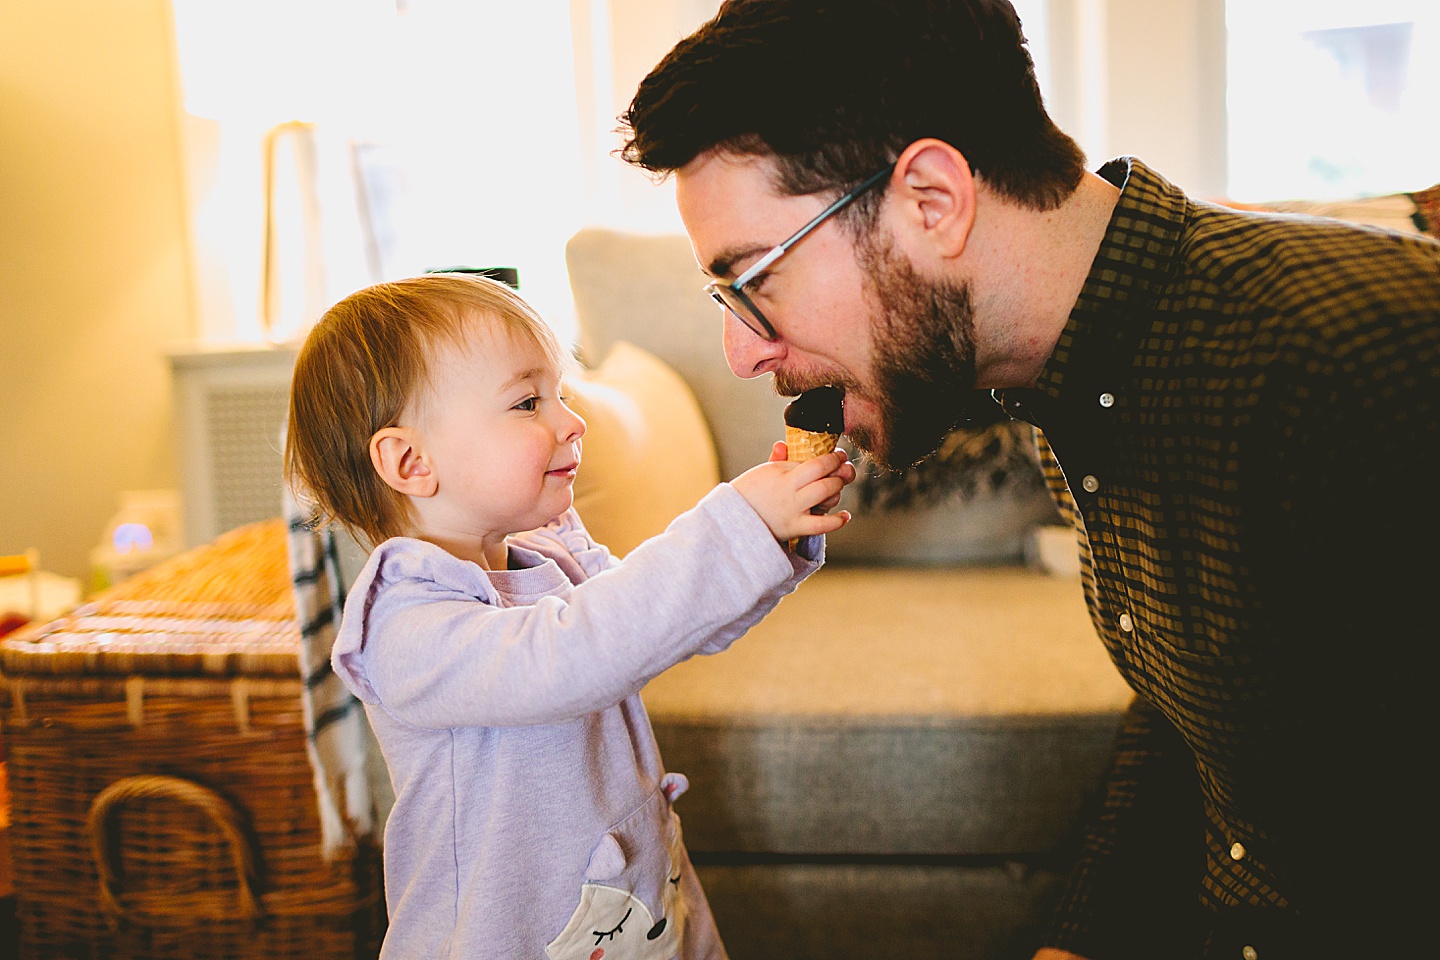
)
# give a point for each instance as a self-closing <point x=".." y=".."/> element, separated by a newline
<point x="721" y="265"/>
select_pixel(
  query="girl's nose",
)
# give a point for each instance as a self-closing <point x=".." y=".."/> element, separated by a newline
<point x="572" y="426"/>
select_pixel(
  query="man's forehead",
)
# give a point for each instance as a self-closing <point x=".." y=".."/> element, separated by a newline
<point x="755" y="168"/>
<point x="716" y="187"/>
<point x="731" y="208"/>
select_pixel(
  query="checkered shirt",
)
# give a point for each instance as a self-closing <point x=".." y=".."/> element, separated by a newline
<point x="1241" y="417"/>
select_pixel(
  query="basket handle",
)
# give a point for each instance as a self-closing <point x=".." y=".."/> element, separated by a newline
<point x="107" y="802"/>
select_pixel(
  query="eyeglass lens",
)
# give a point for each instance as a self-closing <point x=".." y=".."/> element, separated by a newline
<point x="745" y="311"/>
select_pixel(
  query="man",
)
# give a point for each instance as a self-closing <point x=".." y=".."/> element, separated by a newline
<point x="1240" y="410"/>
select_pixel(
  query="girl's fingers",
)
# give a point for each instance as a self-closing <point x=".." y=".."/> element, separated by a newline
<point x="822" y="466"/>
<point x="820" y="523"/>
<point x="822" y="494"/>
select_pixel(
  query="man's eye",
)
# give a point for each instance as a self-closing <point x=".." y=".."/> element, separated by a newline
<point x="757" y="282"/>
<point x="528" y="404"/>
<point x="601" y="935"/>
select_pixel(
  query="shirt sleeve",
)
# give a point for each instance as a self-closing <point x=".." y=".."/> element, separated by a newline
<point x="449" y="660"/>
<point x="1131" y="891"/>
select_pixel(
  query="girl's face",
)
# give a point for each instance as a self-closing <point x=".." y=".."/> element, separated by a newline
<point x="500" y="440"/>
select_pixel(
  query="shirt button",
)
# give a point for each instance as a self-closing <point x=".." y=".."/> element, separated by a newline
<point x="1237" y="851"/>
<point x="1090" y="482"/>
<point x="1250" y="953"/>
<point x="1107" y="399"/>
<point x="1126" y="623"/>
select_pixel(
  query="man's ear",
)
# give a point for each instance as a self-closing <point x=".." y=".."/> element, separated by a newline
<point x="397" y="457"/>
<point x="935" y="189"/>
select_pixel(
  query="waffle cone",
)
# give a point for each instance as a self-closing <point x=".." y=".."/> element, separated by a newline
<point x="805" y="445"/>
<point x="802" y="445"/>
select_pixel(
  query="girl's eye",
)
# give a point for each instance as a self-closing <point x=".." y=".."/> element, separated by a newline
<point x="602" y="935"/>
<point x="528" y="404"/>
<point x="675" y="879"/>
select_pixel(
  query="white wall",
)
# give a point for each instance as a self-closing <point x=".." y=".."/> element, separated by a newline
<point x="93" y="267"/>
<point x="617" y="44"/>
<point x="1144" y="78"/>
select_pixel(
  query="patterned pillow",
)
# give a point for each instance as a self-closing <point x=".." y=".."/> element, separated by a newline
<point x="1427" y="210"/>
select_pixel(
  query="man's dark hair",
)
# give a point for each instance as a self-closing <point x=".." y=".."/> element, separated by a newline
<point x="836" y="89"/>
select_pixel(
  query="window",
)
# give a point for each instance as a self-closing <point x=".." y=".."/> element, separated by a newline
<point x="1330" y="99"/>
<point x="456" y="117"/>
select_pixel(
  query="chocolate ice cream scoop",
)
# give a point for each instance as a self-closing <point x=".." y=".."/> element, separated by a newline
<point x="820" y="410"/>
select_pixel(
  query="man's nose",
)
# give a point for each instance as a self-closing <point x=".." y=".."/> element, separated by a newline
<point x="749" y="356"/>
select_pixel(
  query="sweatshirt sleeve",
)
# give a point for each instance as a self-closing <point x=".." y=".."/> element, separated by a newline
<point x="443" y="654"/>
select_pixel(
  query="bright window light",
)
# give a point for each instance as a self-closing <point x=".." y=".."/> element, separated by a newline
<point x="1034" y="23"/>
<point x="446" y="134"/>
<point x="132" y="538"/>
<point x="1330" y="99"/>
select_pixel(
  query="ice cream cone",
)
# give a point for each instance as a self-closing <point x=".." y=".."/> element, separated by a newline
<point x="813" y="423"/>
<point x="802" y="445"/>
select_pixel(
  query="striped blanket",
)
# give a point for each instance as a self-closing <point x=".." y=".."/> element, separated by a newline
<point x="349" y="776"/>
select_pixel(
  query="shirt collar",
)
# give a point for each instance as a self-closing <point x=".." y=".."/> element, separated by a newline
<point x="1132" y="267"/>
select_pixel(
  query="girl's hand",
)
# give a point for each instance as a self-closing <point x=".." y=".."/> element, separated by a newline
<point x="847" y="473"/>
<point x="785" y="493"/>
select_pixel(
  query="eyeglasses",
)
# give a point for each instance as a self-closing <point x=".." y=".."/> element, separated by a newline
<point x="732" y="296"/>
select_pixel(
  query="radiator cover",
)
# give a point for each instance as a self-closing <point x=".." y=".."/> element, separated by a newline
<point x="230" y="410"/>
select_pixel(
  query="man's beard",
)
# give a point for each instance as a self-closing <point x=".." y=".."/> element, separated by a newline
<point x="924" y="349"/>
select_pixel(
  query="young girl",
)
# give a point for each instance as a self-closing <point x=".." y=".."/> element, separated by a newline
<point x="500" y="651"/>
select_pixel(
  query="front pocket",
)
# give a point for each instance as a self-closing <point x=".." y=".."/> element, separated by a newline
<point x="631" y="903"/>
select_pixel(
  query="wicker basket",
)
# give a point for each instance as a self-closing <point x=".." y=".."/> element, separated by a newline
<point x="163" y="801"/>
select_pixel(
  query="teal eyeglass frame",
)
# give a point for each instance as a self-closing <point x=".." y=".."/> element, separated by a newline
<point x="732" y="296"/>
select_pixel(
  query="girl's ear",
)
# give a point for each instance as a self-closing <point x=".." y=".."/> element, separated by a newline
<point x="396" y="455"/>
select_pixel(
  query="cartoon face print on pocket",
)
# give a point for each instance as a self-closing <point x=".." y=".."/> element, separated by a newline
<point x="614" y="925"/>
<point x="631" y="907"/>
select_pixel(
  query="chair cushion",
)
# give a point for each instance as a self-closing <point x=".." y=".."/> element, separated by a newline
<point x="880" y="911"/>
<point x="954" y="711"/>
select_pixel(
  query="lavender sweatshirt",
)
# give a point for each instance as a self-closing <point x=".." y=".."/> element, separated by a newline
<point x="532" y="815"/>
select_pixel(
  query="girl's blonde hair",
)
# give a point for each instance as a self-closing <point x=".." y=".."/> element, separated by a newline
<point x="365" y="359"/>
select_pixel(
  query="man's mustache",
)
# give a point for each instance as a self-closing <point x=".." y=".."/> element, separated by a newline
<point x="788" y="385"/>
